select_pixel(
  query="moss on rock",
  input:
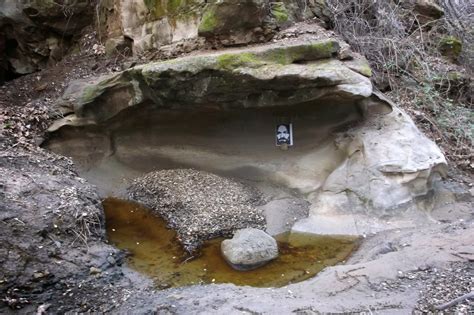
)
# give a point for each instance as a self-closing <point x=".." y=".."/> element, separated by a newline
<point x="159" y="8"/>
<point x="231" y="17"/>
<point x="174" y="5"/>
<point x="232" y="61"/>
<point x="450" y="46"/>
<point x="279" y="12"/>
<point x="209" y="21"/>
<point x="278" y="55"/>
<point x="301" y="53"/>
<point x="252" y="77"/>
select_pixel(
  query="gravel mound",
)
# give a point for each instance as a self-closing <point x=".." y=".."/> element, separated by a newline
<point x="198" y="205"/>
<point x="447" y="285"/>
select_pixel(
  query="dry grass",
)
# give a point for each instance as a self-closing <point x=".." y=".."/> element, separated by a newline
<point x="402" y="49"/>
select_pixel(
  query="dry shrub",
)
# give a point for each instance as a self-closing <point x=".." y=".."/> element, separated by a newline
<point x="402" y="49"/>
<point x="459" y="22"/>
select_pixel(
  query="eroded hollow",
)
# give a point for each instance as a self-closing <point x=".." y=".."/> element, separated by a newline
<point x="236" y="143"/>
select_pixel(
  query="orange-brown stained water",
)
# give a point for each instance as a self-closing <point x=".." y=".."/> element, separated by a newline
<point x="156" y="252"/>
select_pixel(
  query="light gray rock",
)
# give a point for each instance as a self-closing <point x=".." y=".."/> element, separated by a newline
<point x="152" y="24"/>
<point x="281" y="214"/>
<point x="380" y="166"/>
<point x="390" y="163"/>
<point x="249" y="249"/>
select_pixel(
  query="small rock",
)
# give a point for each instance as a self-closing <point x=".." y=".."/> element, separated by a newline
<point x="94" y="270"/>
<point x="38" y="275"/>
<point x="111" y="260"/>
<point x="249" y="249"/>
<point x="42" y="309"/>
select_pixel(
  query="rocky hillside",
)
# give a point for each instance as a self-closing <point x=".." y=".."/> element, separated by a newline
<point x="382" y="93"/>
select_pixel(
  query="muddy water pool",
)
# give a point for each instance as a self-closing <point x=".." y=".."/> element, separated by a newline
<point x="154" y="251"/>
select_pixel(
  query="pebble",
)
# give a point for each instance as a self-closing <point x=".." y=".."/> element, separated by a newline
<point x="94" y="270"/>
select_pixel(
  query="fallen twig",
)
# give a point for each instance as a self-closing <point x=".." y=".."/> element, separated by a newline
<point x="346" y="276"/>
<point x="455" y="301"/>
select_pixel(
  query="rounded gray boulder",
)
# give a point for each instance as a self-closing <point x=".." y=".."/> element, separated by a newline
<point x="249" y="249"/>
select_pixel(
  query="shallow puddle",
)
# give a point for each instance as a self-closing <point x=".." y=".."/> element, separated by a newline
<point x="155" y="251"/>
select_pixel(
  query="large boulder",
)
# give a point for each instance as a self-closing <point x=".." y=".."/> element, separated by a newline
<point x="390" y="165"/>
<point x="233" y="17"/>
<point x="355" y="151"/>
<point x="428" y="9"/>
<point x="150" y="24"/>
<point x="183" y="25"/>
<point x="272" y="75"/>
<point x="249" y="249"/>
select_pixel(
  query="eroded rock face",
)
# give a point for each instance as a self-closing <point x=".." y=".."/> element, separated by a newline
<point x="389" y="165"/>
<point x="355" y="152"/>
<point x="249" y="249"/>
<point x="153" y="24"/>
<point x="389" y="162"/>
<point x="52" y="233"/>
<point x="36" y="33"/>
<point x="220" y="19"/>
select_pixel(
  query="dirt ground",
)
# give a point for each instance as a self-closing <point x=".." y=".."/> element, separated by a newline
<point x="54" y="256"/>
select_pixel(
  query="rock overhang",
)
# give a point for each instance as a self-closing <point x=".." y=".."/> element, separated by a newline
<point x="382" y="163"/>
<point x="271" y="75"/>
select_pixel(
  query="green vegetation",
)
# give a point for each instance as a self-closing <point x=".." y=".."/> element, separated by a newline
<point x="309" y="52"/>
<point x="232" y="61"/>
<point x="279" y="55"/>
<point x="155" y="7"/>
<point x="279" y="12"/>
<point x="170" y="7"/>
<point x="174" y="5"/>
<point x="361" y="67"/>
<point x="92" y="91"/>
<point x="450" y="46"/>
<point x="209" y="21"/>
<point x="150" y="4"/>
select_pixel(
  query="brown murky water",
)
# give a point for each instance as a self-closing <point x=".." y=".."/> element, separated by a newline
<point x="155" y="252"/>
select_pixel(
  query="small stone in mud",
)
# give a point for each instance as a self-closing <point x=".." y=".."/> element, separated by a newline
<point x="249" y="249"/>
<point x="94" y="270"/>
